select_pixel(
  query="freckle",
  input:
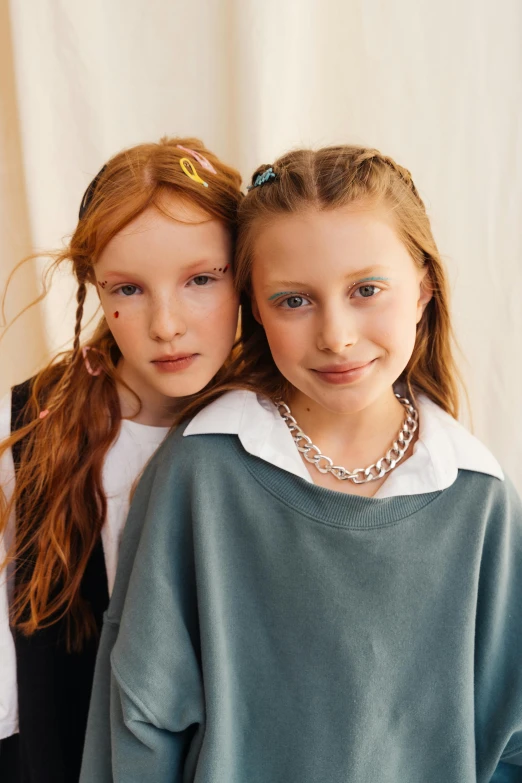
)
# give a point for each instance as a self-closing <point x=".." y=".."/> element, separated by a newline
<point x="116" y="314"/>
<point x="308" y="409"/>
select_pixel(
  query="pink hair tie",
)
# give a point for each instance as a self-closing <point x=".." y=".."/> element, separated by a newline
<point x="88" y="367"/>
<point x="200" y="158"/>
<point x="43" y="414"/>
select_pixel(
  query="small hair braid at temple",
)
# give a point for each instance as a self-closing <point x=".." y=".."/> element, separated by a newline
<point x="81" y="293"/>
<point x="368" y="156"/>
<point x="404" y="174"/>
<point x="59" y="397"/>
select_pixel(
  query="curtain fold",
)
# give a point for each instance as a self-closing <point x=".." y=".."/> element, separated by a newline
<point x="437" y="86"/>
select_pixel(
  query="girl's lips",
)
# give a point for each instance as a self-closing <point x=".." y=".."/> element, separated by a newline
<point x="171" y="364"/>
<point x="344" y="376"/>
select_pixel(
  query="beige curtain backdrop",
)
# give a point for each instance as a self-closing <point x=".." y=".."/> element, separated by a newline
<point x="436" y="85"/>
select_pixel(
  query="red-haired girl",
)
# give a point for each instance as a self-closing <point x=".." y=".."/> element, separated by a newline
<point x="155" y="238"/>
<point x="323" y="569"/>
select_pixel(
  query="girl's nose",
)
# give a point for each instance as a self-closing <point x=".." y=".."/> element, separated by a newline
<point x="337" y="328"/>
<point x="167" y="322"/>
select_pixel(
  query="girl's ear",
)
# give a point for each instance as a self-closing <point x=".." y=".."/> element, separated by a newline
<point x="425" y="293"/>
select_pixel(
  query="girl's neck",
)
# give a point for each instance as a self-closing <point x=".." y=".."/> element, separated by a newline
<point x="354" y="440"/>
<point x="152" y="409"/>
<point x="384" y="412"/>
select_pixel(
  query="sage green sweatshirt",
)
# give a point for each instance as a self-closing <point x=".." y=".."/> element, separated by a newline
<point x="267" y="630"/>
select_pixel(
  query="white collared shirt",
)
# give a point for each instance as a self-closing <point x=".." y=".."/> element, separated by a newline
<point x="443" y="447"/>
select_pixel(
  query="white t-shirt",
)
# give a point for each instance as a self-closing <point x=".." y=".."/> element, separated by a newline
<point x="125" y="460"/>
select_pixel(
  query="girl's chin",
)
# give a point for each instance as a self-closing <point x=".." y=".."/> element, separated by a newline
<point x="341" y="401"/>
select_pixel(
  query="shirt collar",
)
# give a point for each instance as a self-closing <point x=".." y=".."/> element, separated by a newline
<point x="443" y="448"/>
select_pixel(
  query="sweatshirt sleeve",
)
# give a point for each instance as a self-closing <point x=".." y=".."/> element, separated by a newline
<point x="498" y="662"/>
<point x="147" y="703"/>
<point x="97" y="760"/>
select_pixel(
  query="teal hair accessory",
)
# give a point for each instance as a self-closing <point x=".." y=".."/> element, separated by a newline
<point x="262" y="178"/>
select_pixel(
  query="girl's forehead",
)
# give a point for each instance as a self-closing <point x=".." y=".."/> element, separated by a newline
<point x="176" y="209"/>
<point x="177" y="233"/>
<point x="346" y="233"/>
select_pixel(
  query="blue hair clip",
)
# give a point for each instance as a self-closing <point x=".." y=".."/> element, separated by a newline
<point x="262" y="178"/>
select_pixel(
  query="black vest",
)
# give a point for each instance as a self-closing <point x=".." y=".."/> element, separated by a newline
<point x="54" y="686"/>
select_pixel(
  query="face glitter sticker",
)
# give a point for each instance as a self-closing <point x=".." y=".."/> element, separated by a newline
<point x="226" y="268"/>
<point x="102" y="283"/>
<point x="116" y="314"/>
<point x="188" y="168"/>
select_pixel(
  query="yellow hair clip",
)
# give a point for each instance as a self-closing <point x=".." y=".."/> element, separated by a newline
<point x="188" y="168"/>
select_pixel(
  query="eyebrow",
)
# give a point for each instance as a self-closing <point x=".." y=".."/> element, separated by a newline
<point x="293" y="285"/>
<point x="114" y="273"/>
<point x="281" y="293"/>
<point x="188" y="268"/>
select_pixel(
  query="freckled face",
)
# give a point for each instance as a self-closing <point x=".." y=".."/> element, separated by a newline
<point x="166" y="288"/>
<point x="339" y="298"/>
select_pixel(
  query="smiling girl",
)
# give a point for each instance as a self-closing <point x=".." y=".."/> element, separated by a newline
<point x="155" y="239"/>
<point x="327" y="583"/>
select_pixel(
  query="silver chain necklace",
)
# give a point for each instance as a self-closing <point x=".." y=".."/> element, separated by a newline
<point x="324" y="464"/>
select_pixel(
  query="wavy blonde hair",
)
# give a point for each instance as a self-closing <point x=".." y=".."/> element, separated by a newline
<point x="59" y="496"/>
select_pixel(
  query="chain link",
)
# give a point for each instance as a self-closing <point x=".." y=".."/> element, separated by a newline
<point x="324" y="464"/>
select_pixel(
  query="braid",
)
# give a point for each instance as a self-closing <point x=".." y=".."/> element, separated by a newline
<point x="81" y="293"/>
<point x="60" y="392"/>
<point x="371" y="155"/>
<point x="403" y="174"/>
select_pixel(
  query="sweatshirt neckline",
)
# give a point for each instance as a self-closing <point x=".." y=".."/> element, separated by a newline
<point x="326" y="505"/>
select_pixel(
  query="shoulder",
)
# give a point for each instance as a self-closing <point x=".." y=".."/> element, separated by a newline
<point x="451" y="446"/>
<point x="186" y="467"/>
<point x="496" y="510"/>
<point x="231" y="414"/>
<point x="180" y="460"/>
<point x="505" y="510"/>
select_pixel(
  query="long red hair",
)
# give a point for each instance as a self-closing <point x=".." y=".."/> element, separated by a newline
<point x="59" y="497"/>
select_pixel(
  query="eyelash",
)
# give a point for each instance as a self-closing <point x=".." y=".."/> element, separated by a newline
<point x="304" y="296"/>
<point x="118" y="291"/>
<point x="367" y="285"/>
